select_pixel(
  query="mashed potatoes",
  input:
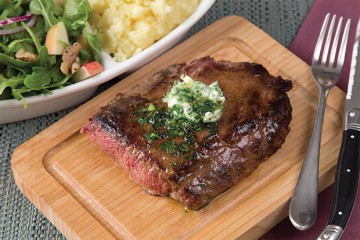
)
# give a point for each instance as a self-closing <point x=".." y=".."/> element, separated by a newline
<point x="129" y="26"/>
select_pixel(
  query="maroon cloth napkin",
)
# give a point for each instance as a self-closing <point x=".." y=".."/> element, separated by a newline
<point x="303" y="46"/>
<point x="305" y="40"/>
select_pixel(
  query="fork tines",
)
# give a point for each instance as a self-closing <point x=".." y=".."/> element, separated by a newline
<point x="319" y="44"/>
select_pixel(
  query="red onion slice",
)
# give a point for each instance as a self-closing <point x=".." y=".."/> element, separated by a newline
<point x="15" y="19"/>
<point x="18" y="29"/>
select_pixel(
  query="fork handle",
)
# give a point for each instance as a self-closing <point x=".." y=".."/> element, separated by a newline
<point x="303" y="206"/>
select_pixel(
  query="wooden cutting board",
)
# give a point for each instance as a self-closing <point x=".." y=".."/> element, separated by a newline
<point x="86" y="196"/>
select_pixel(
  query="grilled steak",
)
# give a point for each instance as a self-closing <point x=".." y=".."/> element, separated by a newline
<point x="253" y="126"/>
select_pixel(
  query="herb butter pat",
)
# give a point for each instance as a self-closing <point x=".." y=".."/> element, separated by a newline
<point x="195" y="100"/>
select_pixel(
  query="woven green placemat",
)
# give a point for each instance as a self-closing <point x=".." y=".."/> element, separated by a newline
<point x="19" y="219"/>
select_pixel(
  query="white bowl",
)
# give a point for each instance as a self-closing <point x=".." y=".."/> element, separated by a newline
<point x="12" y="110"/>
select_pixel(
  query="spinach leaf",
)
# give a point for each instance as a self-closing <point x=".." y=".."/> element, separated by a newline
<point x="76" y="14"/>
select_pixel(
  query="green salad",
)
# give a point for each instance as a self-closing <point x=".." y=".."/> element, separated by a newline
<point x="45" y="45"/>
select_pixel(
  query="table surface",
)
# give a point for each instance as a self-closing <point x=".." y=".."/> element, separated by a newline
<point x="19" y="219"/>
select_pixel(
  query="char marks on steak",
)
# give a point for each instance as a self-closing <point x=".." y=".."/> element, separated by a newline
<point x="253" y="126"/>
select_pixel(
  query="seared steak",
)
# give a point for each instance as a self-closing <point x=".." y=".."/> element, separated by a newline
<point x="253" y="126"/>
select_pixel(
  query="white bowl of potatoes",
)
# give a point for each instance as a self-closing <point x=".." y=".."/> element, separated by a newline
<point x="115" y="58"/>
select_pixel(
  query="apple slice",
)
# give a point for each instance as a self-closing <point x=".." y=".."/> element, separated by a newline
<point x="57" y="39"/>
<point x="87" y="70"/>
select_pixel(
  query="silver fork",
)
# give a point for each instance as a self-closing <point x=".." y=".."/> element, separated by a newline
<point x="326" y="72"/>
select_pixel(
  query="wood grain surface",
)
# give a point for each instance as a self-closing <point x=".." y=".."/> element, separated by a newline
<point x="87" y="196"/>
